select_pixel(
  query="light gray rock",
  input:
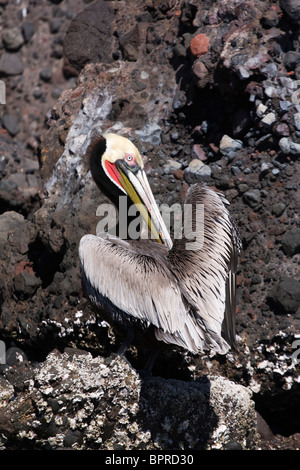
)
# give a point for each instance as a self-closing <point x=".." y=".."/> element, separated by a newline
<point x="268" y="120"/>
<point x="13" y="39"/>
<point x="9" y="221"/>
<point x="288" y="146"/>
<point x="171" y="165"/>
<point x="196" y="172"/>
<point x="261" y="110"/>
<point x="151" y="132"/>
<point x="227" y="145"/>
<point x="297" y="121"/>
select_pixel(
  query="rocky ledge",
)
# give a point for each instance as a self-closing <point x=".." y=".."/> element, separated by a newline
<point x="73" y="400"/>
<point x="208" y="93"/>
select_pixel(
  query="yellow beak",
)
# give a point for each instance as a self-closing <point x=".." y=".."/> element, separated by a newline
<point x="138" y="189"/>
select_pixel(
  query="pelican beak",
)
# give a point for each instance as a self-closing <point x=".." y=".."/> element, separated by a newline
<point x="138" y="189"/>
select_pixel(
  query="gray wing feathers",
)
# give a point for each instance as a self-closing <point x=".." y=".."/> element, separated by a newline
<point x="204" y="275"/>
<point x="136" y="284"/>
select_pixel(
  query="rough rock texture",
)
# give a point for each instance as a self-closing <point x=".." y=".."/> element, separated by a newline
<point x="228" y="116"/>
<point x="74" y="400"/>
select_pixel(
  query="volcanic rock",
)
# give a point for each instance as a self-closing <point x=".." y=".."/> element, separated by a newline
<point x="10" y="123"/>
<point x="28" y="30"/>
<point x="196" y="171"/>
<point x="89" y="36"/>
<point x="13" y="39"/>
<point x="25" y="284"/>
<point x="285" y="296"/>
<point x="11" y="64"/>
<point x="252" y="197"/>
<point x="199" y="45"/>
<point x="291" y="60"/>
<point x="172" y="105"/>
<point x="227" y="145"/>
<point x="111" y="409"/>
<point x="292" y="8"/>
<point x="291" y="241"/>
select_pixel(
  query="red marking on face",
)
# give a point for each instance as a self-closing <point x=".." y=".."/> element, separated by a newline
<point x="113" y="172"/>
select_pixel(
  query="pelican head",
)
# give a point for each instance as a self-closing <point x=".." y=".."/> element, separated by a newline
<point x="117" y="168"/>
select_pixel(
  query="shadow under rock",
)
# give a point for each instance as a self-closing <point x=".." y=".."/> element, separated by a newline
<point x="178" y="414"/>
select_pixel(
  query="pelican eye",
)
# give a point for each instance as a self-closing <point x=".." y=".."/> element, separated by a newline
<point x="129" y="157"/>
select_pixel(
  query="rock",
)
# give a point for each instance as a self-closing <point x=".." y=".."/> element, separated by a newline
<point x="261" y="110"/>
<point x="291" y="59"/>
<point x="179" y="50"/>
<point x="221" y="181"/>
<point x="93" y="26"/>
<point x="129" y="44"/>
<point x="25" y="284"/>
<point x="101" y="404"/>
<point x="270" y="19"/>
<point x="151" y="132"/>
<point x="265" y="168"/>
<point x="6" y="392"/>
<point x="55" y="25"/>
<point x="28" y="30"/>
<point x="171" y="165"/>
<point x="278" y="209"/>
<point x="199" y="45"/>
<point x="284" y="105"/>
<point x="297" y="121"/>
<point x="268" y="120"/>
<point x="287" y="145"/>
<point x="227" y="145"/>
<point x="252" y="197"/>
<point x="270" y="70"/>
<point x="196" y="171"/>
<point x="292" y="8"/>
<point x="15" y="356"/>
<point x="281" y="129"/>
<point x="10" y="221"/>
<point x="130" y="52"/>
<point x="198" y="152"/>
<point x="200" y="71"/>
<point x="10" y="124"/>
<point x="285" y="295"/>
<point x="46" y="74"/>
<point x="11" y="64"/>
<point x="13" y="39"/>
<point x="179" y="100"/>
<point x="291" y="241"/>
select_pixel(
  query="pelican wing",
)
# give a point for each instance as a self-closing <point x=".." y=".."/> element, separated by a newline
<point x="206" y="274"/>
<point x="140" y="285"/>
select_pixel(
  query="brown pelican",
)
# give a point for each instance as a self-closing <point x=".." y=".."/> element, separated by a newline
<point x="160" y="293"/>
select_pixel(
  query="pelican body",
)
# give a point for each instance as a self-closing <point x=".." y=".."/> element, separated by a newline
<point x="158" y="292"/>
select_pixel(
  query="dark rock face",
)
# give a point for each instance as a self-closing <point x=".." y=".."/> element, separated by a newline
<point x="89" y="36"/>
<point x="224" y="111"/>
<point x="291" y="241"/>
<point x="286" y="295"/>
